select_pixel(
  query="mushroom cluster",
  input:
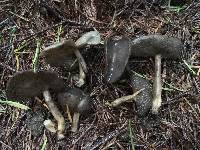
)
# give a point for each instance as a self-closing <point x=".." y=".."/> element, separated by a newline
<point x="62" y="53"/>
<point x="118" y="51"/>
<point x="27" y="84"/>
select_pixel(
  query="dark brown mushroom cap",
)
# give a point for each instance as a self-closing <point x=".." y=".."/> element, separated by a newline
<point x="60" y="54"/>
<point x="117" y="55"/>
<point x="151" y="45"/>
<point x="144" y="99"/>
<point x="28" y="84"/>
<point x="52" y="80"/>
<point x="24" y="85"/>
<point x="76" y="100"/>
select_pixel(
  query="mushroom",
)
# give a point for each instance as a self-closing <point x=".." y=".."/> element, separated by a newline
<point x="28" y="84"/>
<point x="117" y="55"/>
<point x="61" y="54"/>
<point x="159" y="46"/>
<point x="78" y="103"/>
<point x="144" y="99"/>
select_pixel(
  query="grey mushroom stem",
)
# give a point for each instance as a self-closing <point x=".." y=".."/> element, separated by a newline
<point x="81" y="76"/>
<point x="75" y="122"/>
<point x="157" y="85"/>
<point x="56" y="113"/>
<point x="80" y="79"/>
<point x="81" y="60"/>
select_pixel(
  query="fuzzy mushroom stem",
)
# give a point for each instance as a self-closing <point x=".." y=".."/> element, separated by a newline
<point x="75" y="122"/>
<point x="56" y="113"/>
<point x="157" y="85"/>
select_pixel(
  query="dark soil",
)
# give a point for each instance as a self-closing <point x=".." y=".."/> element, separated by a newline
<point x="24" y="22"/>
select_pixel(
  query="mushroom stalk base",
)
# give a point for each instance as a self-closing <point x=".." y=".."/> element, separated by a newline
<point x="157" y="85"/>
<point x="56" y="113"/>
<point x="75" y="122"/>
<point x="49" y="125"/>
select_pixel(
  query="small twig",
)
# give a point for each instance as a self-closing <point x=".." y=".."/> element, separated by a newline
<point x="6" y="145"/>
<point x="8" y="67"/>
<point x="23" y="18"/>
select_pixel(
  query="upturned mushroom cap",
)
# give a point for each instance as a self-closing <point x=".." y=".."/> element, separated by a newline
<point x="90" y="38"/>
<point x="60" y="54"/>
<point x="28" y="84"/>
<point x="117" y="55"/>
<point x="76" y="100"/>
<point x="144" y="99"/>
<point x="151" y="45"/>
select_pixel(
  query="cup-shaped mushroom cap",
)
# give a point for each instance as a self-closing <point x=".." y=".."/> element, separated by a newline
<point x="60" y="54"/>
<point x="117" y="55"/>
<point x="28" y="84"/>
<point x="24" y="84"/>
<point x="151" y="45"/>
<point x="90" y="38"/>
<point x="144" y="99"/>
<point x="76" y="100"/>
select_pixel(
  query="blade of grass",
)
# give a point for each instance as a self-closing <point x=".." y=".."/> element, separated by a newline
<point x="131" y="135"/>
<point x="44" y="143"/>
<point x="2" y="111"/>
<point x="140" y="75"/>
<point x="59" y="32"/>
<point x="189" y="67"/>
<point x="12" y="37"/>
<point x="21" y="46"/>
<point x="14" y="104"/>
<point x="17" y="61"/>
<point x="174" y="88"/>
<point x="17" y="53"/>
<point x="1" y="38"/>
<point x="176" y="8"/>
<point x="36" y="57"/>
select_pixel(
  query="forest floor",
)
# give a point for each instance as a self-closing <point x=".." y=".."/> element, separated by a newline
<point x="25" y="24"/>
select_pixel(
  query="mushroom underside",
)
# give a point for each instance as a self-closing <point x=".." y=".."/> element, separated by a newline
<point x="117" y="55"/>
